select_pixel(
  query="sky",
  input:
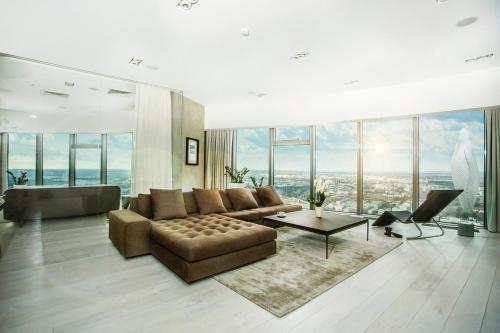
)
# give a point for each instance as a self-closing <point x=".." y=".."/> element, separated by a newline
<point x="22" y="151"/>
<point x="387" y="145"/>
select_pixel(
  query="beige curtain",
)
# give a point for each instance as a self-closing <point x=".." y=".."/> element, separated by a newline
<point x="218" y="154"/>
<point x="152" y="161"/>
<point x="492" y="169"/>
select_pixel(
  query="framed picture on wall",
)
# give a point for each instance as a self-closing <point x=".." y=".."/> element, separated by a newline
<point x="192" y="151"/>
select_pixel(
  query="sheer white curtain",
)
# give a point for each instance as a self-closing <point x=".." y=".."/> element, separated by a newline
<point x="152" y="165"/>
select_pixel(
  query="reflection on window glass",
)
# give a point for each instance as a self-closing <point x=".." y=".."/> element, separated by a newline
<point x="292" y="133"/>
<point x="387" y="165"/>
<point x="292" y="173"/>
<point x="120" y="160"/>
<point x="252" y="152"/>
<point x="55" y="159"/>
<point x="452" y="156"/>
<point x="88" y="160"/>
<point x="336" y="164"/>
<point x="22" y="156"/>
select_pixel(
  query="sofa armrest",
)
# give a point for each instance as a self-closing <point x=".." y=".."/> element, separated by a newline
<point x="129" y="232"/>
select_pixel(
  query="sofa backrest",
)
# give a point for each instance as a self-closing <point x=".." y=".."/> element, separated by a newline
<point x="144" y="206"/>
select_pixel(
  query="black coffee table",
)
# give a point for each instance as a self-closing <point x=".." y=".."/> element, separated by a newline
<point x="328" y="224"/>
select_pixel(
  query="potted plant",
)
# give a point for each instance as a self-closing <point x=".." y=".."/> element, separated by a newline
<point x="22" y="180"/>
<point x="236" y="177"/>
<point x="319" y="196"/>
<point x="255" y="183"/>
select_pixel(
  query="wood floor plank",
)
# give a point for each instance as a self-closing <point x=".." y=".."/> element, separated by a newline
<point x="65" y="276"/>
<point x="434" y="313"/>
<point x="491" y="319"/>
<point x="467" y="315"/>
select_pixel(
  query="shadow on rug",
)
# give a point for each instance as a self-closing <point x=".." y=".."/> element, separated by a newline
<point x="299" y="271"/>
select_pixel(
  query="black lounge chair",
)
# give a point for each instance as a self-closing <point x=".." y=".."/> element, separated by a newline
<point x="436" y="201"/>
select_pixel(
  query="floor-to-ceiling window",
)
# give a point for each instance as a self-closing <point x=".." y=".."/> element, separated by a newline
<point x="387" y="165"/>
<point x="119" y="160"/>
<point x="336" y="164"/>
<point x="292" y="164"/>
<point x="252" y="152"/>
<point x="88" y="159"/>
<point x="22" y="156"/>
<point x="452" y="156"/>
<point x="55" y="159"/>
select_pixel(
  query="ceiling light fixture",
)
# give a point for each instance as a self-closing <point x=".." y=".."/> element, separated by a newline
<point x="300" y="55"/>
<point x="466" y="21"/>
<point x="245" y="32"/>
<point x="34" y="116"/>
<point x="479" y="57"/>
<point x="186" y="4"/>
<point x="135" y="61"/>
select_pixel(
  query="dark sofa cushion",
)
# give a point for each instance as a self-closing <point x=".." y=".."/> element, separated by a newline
<point x="241" y="198"/>
<point x="209" y="201"/>
<point x="144" y="205"/>
<point x="190" y="202"/>
<point x="245" y="215"/>
<point x="269" y="196"/>
<point x="167" y="204"/>
<point x="225" y="199"/>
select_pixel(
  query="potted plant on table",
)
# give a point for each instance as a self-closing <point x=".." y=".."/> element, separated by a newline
<point x="22" y="180"/>
<point x="236" y="177"/>
<point x="319" y="196"/>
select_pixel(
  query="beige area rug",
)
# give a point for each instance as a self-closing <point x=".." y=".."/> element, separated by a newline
<point x="299" y="271"/>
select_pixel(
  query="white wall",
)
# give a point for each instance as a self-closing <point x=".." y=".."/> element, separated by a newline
<point x="465" y="91"/>
<point x="105" y="122"/>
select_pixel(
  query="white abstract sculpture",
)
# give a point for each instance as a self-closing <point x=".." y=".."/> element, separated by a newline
<point x="464" y="171"/>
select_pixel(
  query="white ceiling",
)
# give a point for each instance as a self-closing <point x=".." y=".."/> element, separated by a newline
<point x="22" y="87"/>
<point x="202" y="52"/>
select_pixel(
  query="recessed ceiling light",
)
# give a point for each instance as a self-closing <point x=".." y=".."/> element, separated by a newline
<point x="351" y="82"/>
<point x="186" y="4"/>
<point x="135" y="61"/>
<point x="300" y="55"/>
<point x="466" y="21"/>
<point x="245" y="32"/>
<point x="69" y="84"/>
<point x="152" y="67"/>
<point x="34" y="116"/>
<point x="479" y="57"/>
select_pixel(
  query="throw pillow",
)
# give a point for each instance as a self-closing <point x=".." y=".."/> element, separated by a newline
<point x="241" y="198"/>
<point x="209" y="201"/>
<point x="168" y="204"/>
<point x="144" y="205"/>
<point x="269" y="196"/>
<point x="225" y="199"/>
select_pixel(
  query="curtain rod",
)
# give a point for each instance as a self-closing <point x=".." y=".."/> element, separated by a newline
<point x="6" y="55"/>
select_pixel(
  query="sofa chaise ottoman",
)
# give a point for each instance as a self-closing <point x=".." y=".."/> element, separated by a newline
<point x="198" y="245"/>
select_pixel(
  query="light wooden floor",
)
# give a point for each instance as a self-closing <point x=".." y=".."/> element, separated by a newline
<point x="65" y="276"/>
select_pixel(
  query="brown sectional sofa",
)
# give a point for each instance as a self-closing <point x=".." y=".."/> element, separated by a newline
<point x="197" y="246"/>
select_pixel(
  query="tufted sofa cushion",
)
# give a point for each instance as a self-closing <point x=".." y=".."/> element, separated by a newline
<point x="205" y="236"/>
